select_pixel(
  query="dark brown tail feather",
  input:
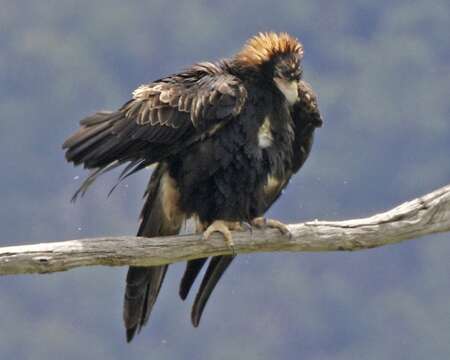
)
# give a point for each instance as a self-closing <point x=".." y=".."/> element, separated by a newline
<point x="144" y="283"/>
<point x="193" y="268"/>
<point x="142" y="289"/>
<point x="216" y="268"/>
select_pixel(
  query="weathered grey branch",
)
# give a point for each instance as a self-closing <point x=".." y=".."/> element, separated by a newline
<point x="422" y="216"/>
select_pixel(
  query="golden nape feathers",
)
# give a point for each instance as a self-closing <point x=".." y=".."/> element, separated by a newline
<point x="263" y="47"/>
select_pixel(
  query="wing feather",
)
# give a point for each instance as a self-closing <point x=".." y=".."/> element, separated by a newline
<point x="306" y="117"/>
<point x="162" y="117"/>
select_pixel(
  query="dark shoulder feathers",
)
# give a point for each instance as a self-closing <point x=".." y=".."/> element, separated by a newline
<point x="205" y="91"/>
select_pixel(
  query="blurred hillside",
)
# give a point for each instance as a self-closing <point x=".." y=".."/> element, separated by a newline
<point x="382" y="72"/>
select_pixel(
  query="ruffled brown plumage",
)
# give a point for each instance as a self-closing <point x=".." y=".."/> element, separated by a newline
<point x="224" y="143"/>
<point x="264" y="47"/>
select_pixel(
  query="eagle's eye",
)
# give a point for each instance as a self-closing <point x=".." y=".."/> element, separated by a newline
<point x="289" y="72"/>
<point x="293" y="74"/>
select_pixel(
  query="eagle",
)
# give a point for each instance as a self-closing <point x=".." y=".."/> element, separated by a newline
<point x="224" y="138"/>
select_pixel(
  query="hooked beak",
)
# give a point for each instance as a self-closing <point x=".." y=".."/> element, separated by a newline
<point x="288" y="88"/>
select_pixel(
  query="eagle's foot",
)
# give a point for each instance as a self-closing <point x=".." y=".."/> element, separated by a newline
<point x="262" y="223"/>
<point x="245" y="226"/>
<point x="224" y="228"/>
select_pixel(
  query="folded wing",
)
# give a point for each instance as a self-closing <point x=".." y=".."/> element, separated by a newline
<point x="161" y="119"/>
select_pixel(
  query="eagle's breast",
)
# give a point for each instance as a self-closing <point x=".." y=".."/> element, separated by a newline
<point x="265" y="136"/>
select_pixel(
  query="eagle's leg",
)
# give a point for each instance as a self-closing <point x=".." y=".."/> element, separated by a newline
<point x="199" y="226"/>
<point x="262" y="222"/>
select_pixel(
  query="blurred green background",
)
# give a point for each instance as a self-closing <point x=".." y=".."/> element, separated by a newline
<point x="382" y="72"/>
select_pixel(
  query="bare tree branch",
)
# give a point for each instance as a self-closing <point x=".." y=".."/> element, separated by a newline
<point x="422" y="216"/>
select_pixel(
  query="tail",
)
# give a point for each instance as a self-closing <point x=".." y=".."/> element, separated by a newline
<point x="144" y="283"/>
<point x="215" y="270"/>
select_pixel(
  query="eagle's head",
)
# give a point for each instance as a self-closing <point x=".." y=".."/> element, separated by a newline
<point x="277" y="57"/>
